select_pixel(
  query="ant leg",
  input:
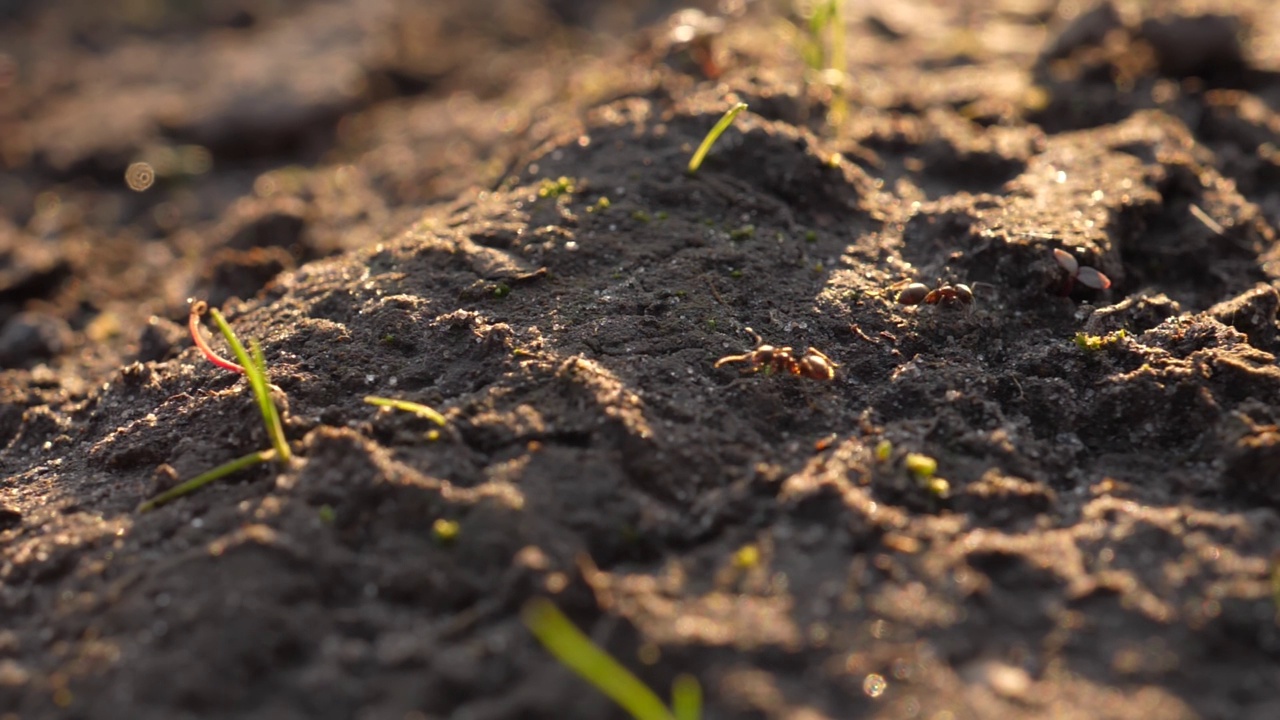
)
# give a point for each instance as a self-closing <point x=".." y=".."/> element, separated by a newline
<point x="733" y="359"/>
<point x="755" y="336"/>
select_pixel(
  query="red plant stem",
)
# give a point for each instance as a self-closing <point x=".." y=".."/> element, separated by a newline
<point x="193" y="324"/>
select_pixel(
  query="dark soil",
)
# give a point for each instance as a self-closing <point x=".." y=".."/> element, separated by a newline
<point x="370" y="188"/>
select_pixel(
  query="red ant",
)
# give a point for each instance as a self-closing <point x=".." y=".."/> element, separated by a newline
<point x="946" y="295"/>
<point x="1087" y="276"/>
<point x="813" y="364"/>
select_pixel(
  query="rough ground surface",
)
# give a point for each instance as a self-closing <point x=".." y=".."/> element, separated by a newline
<point x="357" y="185"/>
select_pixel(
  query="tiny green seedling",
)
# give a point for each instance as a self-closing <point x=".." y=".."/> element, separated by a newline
<point x="725" y="121"/>
<point x="746" y="557"/>
<point x="555" y="188"/>
<point x="938" y="487"/>
<point x="576" y="651"/>
<point x="823" y="50"/>
<point x="923" y="468"/>
<point x="825" y="18"/>
<point x="254" y="367"/>
<point x="418" y="409"/>
<point x="199" y="481"/>
<point x="445" y="531"/>
<point x="1094" y="343"/>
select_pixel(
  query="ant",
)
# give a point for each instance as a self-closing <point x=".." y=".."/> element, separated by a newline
<point x="946" y="295"/>
<point x="813" y="364"/>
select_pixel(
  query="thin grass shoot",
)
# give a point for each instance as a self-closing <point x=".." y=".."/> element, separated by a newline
<point x="823" y="51"/>
<point x="418" y="409"/>
<point x="199" y="481"/>
<point x="686" y="698"/>
<point x="725" y="121"/>
<point x="837" y="66"/>
<point x="575" y="651"/>
<point x="255" y="371"/>
<point x="252" y="366"/>
<point x="813" y="50"/>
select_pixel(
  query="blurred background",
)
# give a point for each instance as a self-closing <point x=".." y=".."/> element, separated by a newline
<point x="155" y="150"/>
<point x="151" y="150"/>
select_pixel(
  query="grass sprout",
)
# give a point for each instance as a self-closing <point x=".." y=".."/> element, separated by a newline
<point x="1094" y="343"/>
<point x="826" y="53"/>
<point x="555" y="188"/>
<point x="444" y="531"/>
<point x="922" y="466"/>
<point x="255" y="369"/>
<point x="576" y="651"/>
<point x="199" y="481"/>
<point x="823" y="51"/>
<point x="418" y="409"/>
<point x="686" y="698"/>
<point x="725" y="121"/>
<point x="746" y="557"/>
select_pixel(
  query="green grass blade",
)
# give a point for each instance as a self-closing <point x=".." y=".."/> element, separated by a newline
<point x="839" y="65"/>
<point x="275" y="427"/>
<point x="416" y="408"/>
<point x="207" y="477"/>
<point x="838" y="60"/>
<point x="696" y="161"/>
<point x="686" y="698"/>
<point x="256" y="372"/>
<point x="814" y="51"/>
<point x="576" y="651"/>
<point x="818" y="23"/>
<point x="260" y="362"/>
